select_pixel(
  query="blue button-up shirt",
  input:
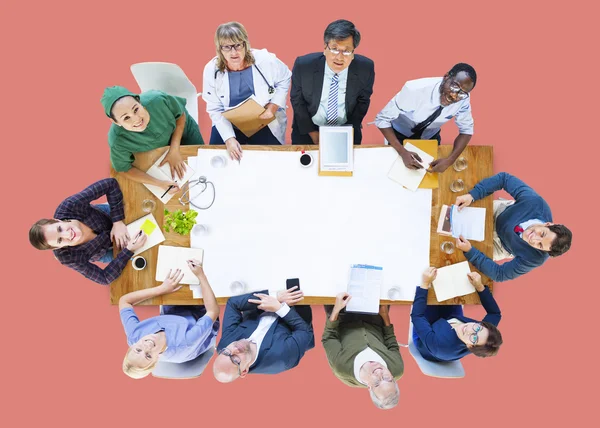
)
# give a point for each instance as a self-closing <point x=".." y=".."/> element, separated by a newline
<point x="186" y="337"/>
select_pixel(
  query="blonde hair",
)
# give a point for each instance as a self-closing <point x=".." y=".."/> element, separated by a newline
<point x="136" y="372"/>
<point x="236" y="33"/>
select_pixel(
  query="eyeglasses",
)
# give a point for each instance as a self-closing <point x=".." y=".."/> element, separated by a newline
<point x="385" y="378"/>
<point x="474" y="338"/>
<point x="337" y="51"/>
<point x="455" y="87"/>
<point x="237" y="47"/>
<point x="234" y="359"/>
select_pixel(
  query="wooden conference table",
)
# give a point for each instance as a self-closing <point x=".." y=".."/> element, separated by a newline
<point x="480" y="162"/>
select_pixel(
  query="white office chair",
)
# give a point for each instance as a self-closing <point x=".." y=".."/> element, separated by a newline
<point x="187" y="370"/>
<point x="446" y="369"/>
<point x="168" y="78"/>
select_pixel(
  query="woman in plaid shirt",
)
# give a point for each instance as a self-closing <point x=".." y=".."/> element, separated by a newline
<point x="82" y="233"/>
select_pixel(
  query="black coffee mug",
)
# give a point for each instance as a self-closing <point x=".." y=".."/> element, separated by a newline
<point x="305" y="159"/>
<point x="139" y="263"/>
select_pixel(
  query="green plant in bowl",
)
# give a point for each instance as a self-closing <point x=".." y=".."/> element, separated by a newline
<point x="179" y="221"/>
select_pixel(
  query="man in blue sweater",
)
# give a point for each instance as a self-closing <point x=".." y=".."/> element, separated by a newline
<point x="523" y="229"/>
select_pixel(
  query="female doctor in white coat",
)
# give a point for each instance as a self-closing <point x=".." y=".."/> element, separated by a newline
<point x="236" y="73"/>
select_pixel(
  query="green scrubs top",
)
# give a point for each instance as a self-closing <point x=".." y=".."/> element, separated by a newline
<point x="164" y="111"/>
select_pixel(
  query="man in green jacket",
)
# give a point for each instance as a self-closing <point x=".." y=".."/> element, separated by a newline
<point x="362" y="351"/>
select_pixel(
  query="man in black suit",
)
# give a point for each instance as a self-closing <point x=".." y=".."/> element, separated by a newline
<point x="332" y="88"/>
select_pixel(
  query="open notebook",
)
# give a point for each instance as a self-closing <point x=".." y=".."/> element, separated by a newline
<point x="164" y="173"/>
<point x="171" y="258"/>
<point x="150" y="227"/>
<point x="452" y="281"/>
<point x="410" y="178"/>
<point x="469" y="222"/>
<point x="365" y="288"/>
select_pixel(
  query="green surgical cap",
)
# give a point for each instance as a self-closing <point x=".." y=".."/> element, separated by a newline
<point x="112" y="94"/>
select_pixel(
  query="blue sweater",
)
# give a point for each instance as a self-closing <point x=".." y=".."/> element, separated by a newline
<point x="528" y="205"/>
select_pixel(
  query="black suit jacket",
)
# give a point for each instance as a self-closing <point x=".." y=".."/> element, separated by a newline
<point x="307" y="85"/>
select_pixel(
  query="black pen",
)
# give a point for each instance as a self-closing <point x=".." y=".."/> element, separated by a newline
<point x="167" y="191"/>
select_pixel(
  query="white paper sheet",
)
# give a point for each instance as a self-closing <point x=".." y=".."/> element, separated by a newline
<point x="452" y="281"/>
<point x="468" y="222"/>
<point x="155" y="238"/>
<point x="172" y="258"/>
<point x="410" y="178"/>
<point x="365" y="288"/>
<point x="164" y="173"/>
<point x="274" y="219"/>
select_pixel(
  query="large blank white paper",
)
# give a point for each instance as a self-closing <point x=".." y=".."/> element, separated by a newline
<point x="410" y="178"/>
<point x="452" y="281"/>
<point x="154" y="238"/>
<point x="172" y="258"/>
<point x="274" y="219"/>
<point x="469" y="222"/>
<point x="365" y="288"/>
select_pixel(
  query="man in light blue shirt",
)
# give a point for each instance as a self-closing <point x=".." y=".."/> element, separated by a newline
<point x="420" y="109"/>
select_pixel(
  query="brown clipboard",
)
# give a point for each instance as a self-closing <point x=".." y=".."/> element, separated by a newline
<point x="245" y="117"/>
<point x="430" y="181"/>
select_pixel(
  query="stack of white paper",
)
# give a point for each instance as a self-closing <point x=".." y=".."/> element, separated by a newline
<point x="452" y="281"/>
<point x="364" y="287"/>
<point x="150" y="227"/>
<point x="172" y="258"/>
<point x="164" y="173"/>
<point x="410" y="178"/>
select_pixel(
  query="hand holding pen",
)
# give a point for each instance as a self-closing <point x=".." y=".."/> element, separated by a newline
<point x="137" y="242"/>
<point x="196" y="267"/>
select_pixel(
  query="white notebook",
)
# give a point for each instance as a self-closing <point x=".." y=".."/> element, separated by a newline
<point x="365" y="288"/>
<point x="150" y="227"/>
<point x="172" y="258"/>
<point x="410" y="178"/>
<point x="468" y="222"/>
<point x="452" y="281"/>
<point x="164" y="173"/>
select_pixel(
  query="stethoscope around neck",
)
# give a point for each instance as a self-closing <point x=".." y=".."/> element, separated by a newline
<point x="271" y="88"/>
<point x="204" y="183"/>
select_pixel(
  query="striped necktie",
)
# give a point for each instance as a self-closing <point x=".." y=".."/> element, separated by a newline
<point x="332" y="103"/>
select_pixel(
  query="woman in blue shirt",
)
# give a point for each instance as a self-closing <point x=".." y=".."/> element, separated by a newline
<point x="180" y="335"/>
<point x="443" y="333"/>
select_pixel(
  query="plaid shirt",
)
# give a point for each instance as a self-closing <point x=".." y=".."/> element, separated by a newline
<point x="79" y="207"/>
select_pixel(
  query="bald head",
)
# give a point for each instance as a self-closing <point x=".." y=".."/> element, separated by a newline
<point x="224" y="370"/>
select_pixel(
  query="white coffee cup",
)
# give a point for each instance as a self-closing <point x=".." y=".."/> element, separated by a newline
<point x="139" y="263"/>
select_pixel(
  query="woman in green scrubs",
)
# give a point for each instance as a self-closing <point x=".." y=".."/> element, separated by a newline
<point x="145" y="122"/>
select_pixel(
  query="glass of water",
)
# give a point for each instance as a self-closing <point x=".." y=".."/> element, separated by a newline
<point x="460" y="164"/>
<point x="218" y="161"/>
<point x="394" y="293"/>
<point x="447" y="247"/>
<point x="237" y="288"/>
<point x="148" y="205"/>
<point x="457" y="186"/>
<point x="199" y="230"/>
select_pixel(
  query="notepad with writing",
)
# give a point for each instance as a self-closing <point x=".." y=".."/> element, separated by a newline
<point x="365" y="288"/>
<point x="163" y="173"/>
<point x="410" y="178"/>
<point x="149" y="226"/>
<point x="469" y="222"/>
<point x="452" y="281"/>
<point x="245" y="116"/>
<point x="172" y="258"/>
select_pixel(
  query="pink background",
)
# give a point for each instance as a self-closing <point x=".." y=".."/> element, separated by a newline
<point x="64" y="346"/>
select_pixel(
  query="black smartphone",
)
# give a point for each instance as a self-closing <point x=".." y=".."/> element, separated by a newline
<point x="292" y="282"/>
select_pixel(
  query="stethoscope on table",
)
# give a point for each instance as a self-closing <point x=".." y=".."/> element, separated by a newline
<point x="200" y="181"/>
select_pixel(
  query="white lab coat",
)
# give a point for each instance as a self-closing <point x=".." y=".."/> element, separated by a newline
<point x="215" y="91"/>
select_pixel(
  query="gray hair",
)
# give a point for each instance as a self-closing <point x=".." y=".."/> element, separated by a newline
<point x="388" y="402"/>
<point x="340" y="30"/>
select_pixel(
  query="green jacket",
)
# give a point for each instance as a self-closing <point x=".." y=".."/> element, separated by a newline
<point x="342" y="342"/>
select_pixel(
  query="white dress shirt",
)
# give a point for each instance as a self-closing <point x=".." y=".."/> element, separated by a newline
<point x="320" y="118"/>
<point x="264" y="324"/>
<point x="362" y="357"/>
<point x="417" y="100"/>
<point x="528" y="223"/>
